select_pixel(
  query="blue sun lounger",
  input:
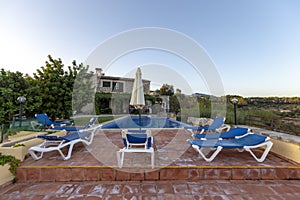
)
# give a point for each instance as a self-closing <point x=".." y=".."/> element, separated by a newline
<point x="216" y="124"/>
<point x="136" y="141"/>
<point x="90" y="124"/>
<point x="236" y="132"/>
<point x="248" y="142"/>
<point x="57" y="143"/>
<point x="45" y="121"/>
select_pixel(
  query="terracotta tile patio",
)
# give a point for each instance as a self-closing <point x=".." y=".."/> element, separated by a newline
<point x="174" y="160"/>
<point x="179" y="173"/>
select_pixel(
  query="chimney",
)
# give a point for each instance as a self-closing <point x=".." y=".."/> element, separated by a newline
<point x="99" y="72"/>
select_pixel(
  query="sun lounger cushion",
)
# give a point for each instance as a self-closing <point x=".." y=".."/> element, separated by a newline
<point x="232" y="133"/>
<point x="49" y="137"/>
<point x="138" y="137"/>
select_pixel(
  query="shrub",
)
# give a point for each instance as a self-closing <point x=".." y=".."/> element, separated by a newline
<point x="12" y="161"/>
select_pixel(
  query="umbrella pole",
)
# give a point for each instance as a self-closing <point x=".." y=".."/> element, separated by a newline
<point x="140" y="119"/>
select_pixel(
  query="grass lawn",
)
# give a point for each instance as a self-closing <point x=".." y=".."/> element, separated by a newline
<point x="82" y="121"/>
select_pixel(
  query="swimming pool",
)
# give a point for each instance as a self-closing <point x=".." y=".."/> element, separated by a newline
<point x="146" y="122"/>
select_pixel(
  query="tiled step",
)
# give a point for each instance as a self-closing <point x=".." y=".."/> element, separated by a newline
<point x="103" y="173"/>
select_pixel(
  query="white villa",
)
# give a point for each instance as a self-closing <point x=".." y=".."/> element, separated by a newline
<point x="119" y="85"/>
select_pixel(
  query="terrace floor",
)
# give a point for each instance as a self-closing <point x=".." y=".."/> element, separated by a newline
<point x="171" y="150"/>
<point x="179" y="173"/>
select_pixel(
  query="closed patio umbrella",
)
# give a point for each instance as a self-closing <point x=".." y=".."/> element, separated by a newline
<point x="137" y="96"/>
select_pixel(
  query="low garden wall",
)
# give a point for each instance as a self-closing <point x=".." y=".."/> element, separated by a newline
<point x="18" y="147"/>
<point x="284" y="144"/>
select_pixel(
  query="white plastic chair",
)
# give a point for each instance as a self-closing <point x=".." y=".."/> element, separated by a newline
<point x="136" y="141"/>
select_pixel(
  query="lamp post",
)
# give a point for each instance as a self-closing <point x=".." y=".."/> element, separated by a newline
<point x="21" y="100"/>
<point x="234" y="101"/>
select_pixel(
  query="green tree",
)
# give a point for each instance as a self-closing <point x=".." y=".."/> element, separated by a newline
<point x="102" y="103"/>
<point x="204" y="106"/>
<point x="33" y="97"/>
<point x="12" y="85"/>
<point x="167" y="90"/>
<point x="174" y="103"/>
<point x="83" y="88"/>
<point x="56" y="87"/>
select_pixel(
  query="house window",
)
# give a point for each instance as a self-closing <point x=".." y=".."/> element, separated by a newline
<point x="118" y="87"/>
<point x="106" y="84"/>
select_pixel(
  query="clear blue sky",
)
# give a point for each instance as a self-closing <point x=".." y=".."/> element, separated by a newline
<point x="255" y="45"/>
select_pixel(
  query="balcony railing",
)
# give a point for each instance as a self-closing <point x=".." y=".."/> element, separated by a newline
<point x="286" y="125"/>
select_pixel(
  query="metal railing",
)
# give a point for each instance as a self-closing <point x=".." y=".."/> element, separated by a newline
<point x="286" y="125"/>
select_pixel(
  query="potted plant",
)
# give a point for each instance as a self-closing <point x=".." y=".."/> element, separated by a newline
<point x="17" y="150"/>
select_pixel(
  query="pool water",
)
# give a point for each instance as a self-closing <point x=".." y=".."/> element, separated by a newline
<point x="145" y="122"/>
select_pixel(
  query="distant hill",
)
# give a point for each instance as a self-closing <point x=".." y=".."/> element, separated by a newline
<point x="203" y="95"/>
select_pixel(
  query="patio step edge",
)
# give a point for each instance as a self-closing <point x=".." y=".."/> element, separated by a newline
<point x="190" y="173"/>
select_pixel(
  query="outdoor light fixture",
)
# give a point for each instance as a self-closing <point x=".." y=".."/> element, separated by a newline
<point x="234" y="101"/>
<point x="21" y="100"/>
